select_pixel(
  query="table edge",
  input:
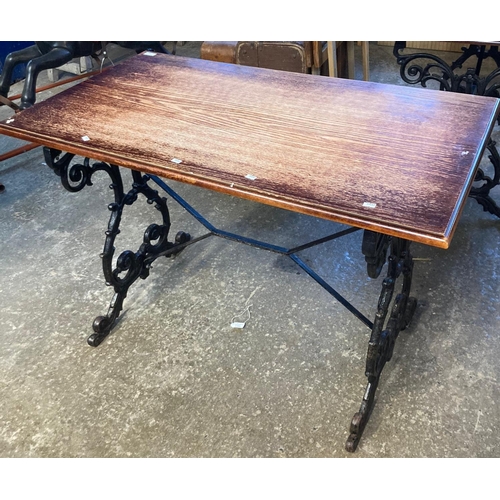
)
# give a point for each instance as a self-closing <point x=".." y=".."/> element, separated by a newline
<point x="437" y="240"/>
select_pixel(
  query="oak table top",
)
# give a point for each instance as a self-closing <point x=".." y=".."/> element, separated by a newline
<point x="393" y="159"/>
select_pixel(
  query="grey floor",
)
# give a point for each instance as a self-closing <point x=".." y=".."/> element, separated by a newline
<point x="175" y="380"/>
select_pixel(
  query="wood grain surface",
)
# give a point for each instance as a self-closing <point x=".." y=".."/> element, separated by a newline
<point x="393" y="159"/>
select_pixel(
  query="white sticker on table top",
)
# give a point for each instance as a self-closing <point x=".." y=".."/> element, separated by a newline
<point x="85" y="138"/>
<point x="176" y="160"/>
<point x="250" y="176"/>
<point x="10" y="120"/>
<point x="149" y="53"/>
<point x="368" y="204"/>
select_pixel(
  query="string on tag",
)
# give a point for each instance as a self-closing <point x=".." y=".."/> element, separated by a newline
<point x="241" y="324"/>
<point x="245" y="312"/>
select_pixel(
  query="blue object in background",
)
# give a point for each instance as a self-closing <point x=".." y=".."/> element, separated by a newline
<point x="5" y="49"/>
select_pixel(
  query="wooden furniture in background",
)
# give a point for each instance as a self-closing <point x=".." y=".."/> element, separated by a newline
<point x="365" y="51"/>
<point x="300" y="57"/>
<point x="314" y="57"/>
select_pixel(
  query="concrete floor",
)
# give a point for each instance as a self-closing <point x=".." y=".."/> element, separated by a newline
<point x="175" y="380"/>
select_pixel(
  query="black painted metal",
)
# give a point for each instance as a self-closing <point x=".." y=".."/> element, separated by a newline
<point x="481" y="193"/>
<point x="331" y="291"/>
<point x="323" y="240"/>
<point x="130" y="265"/>
<point x="374" y="248"/>
<point x="385" y="331"/>
<point x="480" y="52"/>
<point x="420" y="68"/>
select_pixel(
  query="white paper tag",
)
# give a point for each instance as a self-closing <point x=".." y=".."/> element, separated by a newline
<point x="10" y="121"/>
<point x="251" y="177"/>
<point x="237" y="324"/>
<point x="149" y="53"/>
<point x="85" y="138"/>
<point x="367" y="204"/>
<point x="176" y="160"/>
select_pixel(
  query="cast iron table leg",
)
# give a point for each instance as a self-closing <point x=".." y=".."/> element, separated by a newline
<point x="130" y="266"/>
<point x="385" y="328"/>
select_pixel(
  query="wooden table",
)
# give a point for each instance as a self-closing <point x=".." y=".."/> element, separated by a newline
<point x="372" y="156"/>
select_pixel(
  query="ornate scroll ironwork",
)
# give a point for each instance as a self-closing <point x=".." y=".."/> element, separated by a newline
<point x="130" y="265"/>
<point x="385" y="330"/>
<point x="481" y="193"/>
<point x="423" y="67"/>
